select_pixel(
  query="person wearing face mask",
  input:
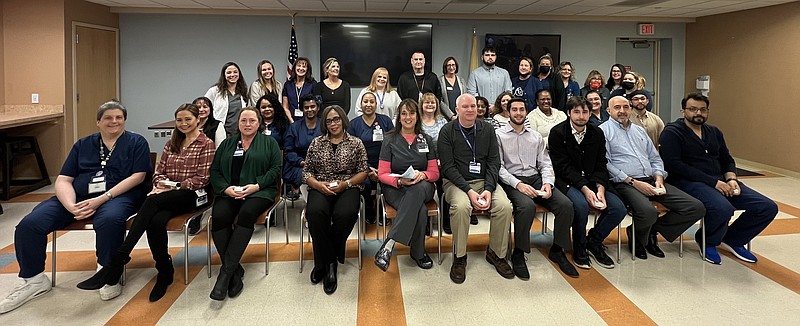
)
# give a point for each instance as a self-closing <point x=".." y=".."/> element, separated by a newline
<point x="544" y="72"/>
<point x="387" y="96"/>
<point x="699" y="163"/>
<point x="629" y="82"/>
<point x="524" y="86"/>
<point x="594" y="82"/>
<point x="370" y="127"/>
<point x="488" y="80"/>
<point x="615" y="77"/>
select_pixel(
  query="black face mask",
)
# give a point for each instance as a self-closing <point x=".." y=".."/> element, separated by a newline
<point x="543" y="70"/>
<point x="627" y="85"/>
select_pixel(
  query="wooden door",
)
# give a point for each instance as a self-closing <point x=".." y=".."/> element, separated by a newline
<point x="95" y="74"/>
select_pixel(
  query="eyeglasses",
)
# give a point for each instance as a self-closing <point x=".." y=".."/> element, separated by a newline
<point x="332" y="121"/>
<point x="695" y="110"/>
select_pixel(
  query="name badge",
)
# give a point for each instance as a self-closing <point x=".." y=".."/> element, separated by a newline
<point x="298" y="112"/>
<point x="449" y="88"/>
<point x="377" y="134"/>
<point x="98" y="183"/>
<point x="202" y="197"/>
<point x="474" y="167"/>
<point x="268" y="132"/>
<point x="239" y="152"/>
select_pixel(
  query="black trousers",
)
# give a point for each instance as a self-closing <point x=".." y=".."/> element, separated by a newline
<point x="525" y="212"/>
<point x="330" y="222"/>
<point x="243" y="212"/>
<point x="153" y="217"/>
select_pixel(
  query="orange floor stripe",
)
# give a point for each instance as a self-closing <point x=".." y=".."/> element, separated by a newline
<point x="771" y="270"/>
<point x="380" y="295"/>
<point x="30" y="198"/>
<point x="140" y="311"/>
<point x="608" y="301"/>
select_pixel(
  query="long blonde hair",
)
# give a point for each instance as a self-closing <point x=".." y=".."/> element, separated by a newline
<point x="372" y="87"/>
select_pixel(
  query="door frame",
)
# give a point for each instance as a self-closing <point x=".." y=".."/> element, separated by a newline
<point x="74" y="40"/>
<point x="655" y="82"/>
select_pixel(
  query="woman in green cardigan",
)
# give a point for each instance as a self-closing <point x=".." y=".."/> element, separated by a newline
<point x="245" y="175"/>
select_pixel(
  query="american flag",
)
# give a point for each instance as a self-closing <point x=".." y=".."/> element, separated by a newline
<point x="292" y="54"/>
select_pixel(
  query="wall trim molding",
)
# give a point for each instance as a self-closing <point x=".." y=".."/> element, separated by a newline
<point x="788" y="173"/>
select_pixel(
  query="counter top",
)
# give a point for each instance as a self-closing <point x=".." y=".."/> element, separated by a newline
<point x="22" y="115"/>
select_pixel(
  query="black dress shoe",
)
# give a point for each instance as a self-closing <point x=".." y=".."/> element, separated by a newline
<point x="652" y="246"/>
<point x="640" y="252"/>
<point x="383" y="257"/>
<point x="473" y="220"/>
<point x="425" y="262"/>
<point x="563" y="263"/>
<point x="519" y="265"/>
<point x="317" y="274"/>
<point x="329" y="282"/>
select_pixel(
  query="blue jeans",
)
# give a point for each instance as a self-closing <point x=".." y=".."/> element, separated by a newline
<point x="759" y="212"/>
<point x="609" y="218"/>
<point x="30" y="237"/>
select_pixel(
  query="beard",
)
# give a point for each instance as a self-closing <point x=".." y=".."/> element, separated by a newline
<point x="697" y="120"/>
<point x="488" y="64"/>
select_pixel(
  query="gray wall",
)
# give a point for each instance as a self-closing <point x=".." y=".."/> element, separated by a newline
<point x="166" y="60"/>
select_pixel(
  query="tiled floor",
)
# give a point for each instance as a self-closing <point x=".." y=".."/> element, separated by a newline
<point x="666" y="291"/>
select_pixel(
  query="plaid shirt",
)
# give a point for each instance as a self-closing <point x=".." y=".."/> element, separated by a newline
<point x="325" y="164"/>
<point x="189" y="167"/>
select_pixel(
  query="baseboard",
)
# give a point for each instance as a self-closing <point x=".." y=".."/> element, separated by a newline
<point x="770" y="168"/>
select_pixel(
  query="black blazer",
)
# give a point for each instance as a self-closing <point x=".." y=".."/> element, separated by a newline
<point x="578" y="165"/>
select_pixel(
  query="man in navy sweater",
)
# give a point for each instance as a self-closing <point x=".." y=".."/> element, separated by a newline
<point x="699" y="163"/>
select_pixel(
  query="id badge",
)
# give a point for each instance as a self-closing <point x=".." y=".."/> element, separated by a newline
<point x="422" y="147"/>
<point x="238" y="152"/>
<point x="298" y="112"/>
<point x="377" y="134"/>
<point x="268" y="132"/>
<point x="202" y="197"/>
<point x="474" y="167"/>
<point x="98" y="183"/>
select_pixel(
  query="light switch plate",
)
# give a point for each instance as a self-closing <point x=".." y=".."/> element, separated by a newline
<point x="35" y="98"/>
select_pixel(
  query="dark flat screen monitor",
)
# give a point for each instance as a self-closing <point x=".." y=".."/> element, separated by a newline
<point x="360" y="48"/>
<point x="511" y="47"/>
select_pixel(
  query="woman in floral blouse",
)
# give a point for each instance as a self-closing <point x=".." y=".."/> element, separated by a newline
<point x="336" y="166"/>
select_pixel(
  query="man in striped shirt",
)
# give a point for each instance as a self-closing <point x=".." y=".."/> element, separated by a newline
<point x="527" y="177"/>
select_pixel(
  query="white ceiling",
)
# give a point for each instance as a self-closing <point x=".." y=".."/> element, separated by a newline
<point x="610" y="9"/>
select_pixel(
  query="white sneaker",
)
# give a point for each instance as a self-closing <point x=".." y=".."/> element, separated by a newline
<point x="33" y="288"/>
<point x="108" y="292"/>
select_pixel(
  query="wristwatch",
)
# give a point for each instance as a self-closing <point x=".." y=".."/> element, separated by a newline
<point x="631" y="182"/>
<point x="177" y="185"/>
<point x="349" y="185"/>
<point x="398" y="183"/>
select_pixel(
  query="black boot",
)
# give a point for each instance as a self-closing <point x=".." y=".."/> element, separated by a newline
<point x="236" y="285"/>
<point x="652" y="245"/>
<point x="113" y="272"/>
<point x="166" y="272"/>
<point x="221" y="240"/>
<point x="235" y="249"/>
<point x="329" y="282"/>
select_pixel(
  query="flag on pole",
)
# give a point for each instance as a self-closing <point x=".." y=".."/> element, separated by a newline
<point x="292" y="53"/>
<point x="473" y="62"/>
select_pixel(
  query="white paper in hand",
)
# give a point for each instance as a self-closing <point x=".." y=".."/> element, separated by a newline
<point x="409" y="174"/>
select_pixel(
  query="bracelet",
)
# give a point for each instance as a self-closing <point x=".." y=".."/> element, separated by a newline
<point x="731" y="179"/>
<point x="109" y="195"/>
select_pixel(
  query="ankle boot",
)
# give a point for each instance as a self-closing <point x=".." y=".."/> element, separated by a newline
<point x="329" y="282"/>
<point x="221" y="240"/>
<point x="236" y="285"/>
<point x="240" y="237"/>
<point x="113" y="272"/>
<point x="166" y="272"/>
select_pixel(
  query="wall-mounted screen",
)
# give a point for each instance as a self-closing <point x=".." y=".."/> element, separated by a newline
<point x="362" y="47"/>
<point x="511" y="47"/>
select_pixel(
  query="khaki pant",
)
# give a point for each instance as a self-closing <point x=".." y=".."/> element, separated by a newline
<point x="461" y="210"/>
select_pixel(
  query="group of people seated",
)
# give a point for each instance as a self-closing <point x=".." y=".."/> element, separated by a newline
<point x="544" y="141"/>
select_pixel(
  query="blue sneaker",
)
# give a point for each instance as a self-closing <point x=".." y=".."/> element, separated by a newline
<point x="740" y="252"/>
<point x="712" y="256"/>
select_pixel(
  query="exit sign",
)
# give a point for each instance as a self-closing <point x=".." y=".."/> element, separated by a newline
<point x="647" y="29"/>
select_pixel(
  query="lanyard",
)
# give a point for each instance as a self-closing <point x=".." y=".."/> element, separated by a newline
<point x="103" y="157"/>
<point x="298" y="90"/>
<point x="380" y="98"/>
<point x="471" y="148"/>
<point x="420" y="88"/>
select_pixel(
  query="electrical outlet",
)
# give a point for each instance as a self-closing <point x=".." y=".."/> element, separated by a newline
<point x="155" y="134"/>
<point x="163" y="134"/>
<point x="35" y="98"/>
<point x="169" y="133"/>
